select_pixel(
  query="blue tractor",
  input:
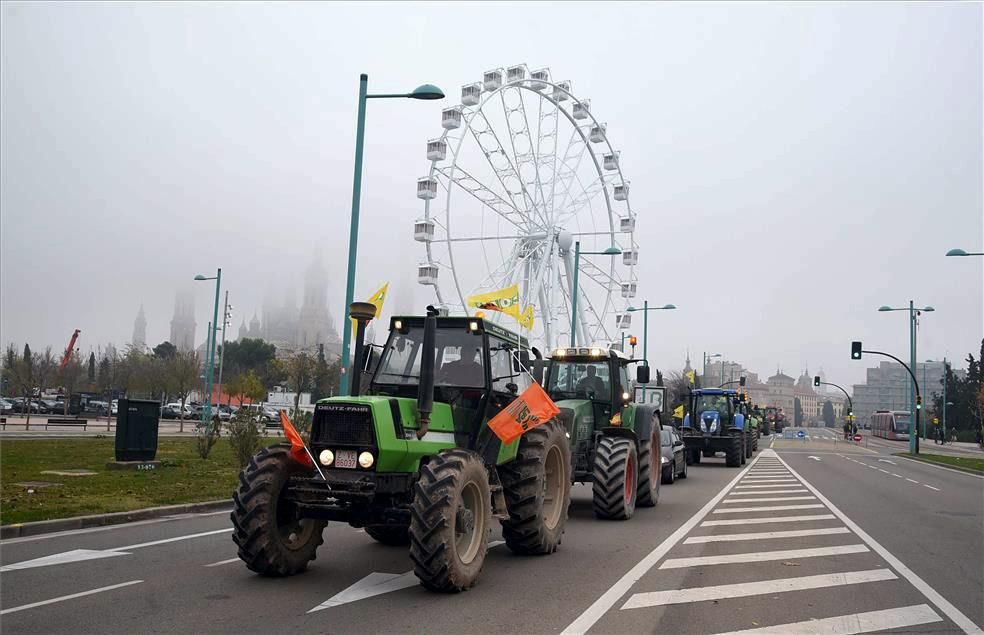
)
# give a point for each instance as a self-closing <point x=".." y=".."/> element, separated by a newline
<point x="715" y="422"/>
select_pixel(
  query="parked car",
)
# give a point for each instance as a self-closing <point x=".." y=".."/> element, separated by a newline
<point x="114" y="406"/>
<point x="267" y="414"/>
<point x="674" y="455"/>
<point x="173" y="411"/>
<point x="52" y="407"/>
<point x="6" y="407"/>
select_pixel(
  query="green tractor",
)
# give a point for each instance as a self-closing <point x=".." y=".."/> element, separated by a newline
<point x="615" y="443"/>
<point x="412" y="461"/>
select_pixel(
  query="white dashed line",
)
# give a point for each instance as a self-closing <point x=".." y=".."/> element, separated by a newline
<point x="766" y="535"/>
<point x="857" y="623"/>
<point x="912" y="481"/>
<point x="935" y="489"/>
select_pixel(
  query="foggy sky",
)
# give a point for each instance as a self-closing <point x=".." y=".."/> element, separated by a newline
<point x="793" y="166"/>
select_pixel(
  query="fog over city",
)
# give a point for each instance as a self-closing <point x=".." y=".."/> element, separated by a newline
<point x="793" y="167"/>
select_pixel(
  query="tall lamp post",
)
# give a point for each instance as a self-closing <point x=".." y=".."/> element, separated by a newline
<point x="961" y="252"/>
<point x="611" y="251"/>
<point x="226" y="323"/>
<point x="425" y="91"/>
<point x="645" y="324"/>
<point x="210" y="368"/>
<point x="914" y="396"/>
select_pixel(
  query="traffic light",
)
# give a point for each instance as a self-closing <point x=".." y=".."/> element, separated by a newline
<point x="855" y="350"/>
<point x="816" y="380"/>
<point x="741" y="380"/>
<point x="918" y="402"/>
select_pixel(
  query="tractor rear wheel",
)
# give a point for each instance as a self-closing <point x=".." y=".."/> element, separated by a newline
<point x="733" y="455"/>
<point x="695" y="456"/>
<point x="650" y="472"/>
<point x="537" y="487"/>
<point x="745" y="449"/>
<point x="449" y="521"/>
<point x="708" y="454"/>
<point x="614" y="478"/>
<point x="273" y="540"/>
<point x="393" y="535"/>
<point x="755" y="442"/>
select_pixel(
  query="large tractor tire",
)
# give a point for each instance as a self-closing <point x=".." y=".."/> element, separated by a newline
<point x="733" y="455"/>
<point x="614" y="478"/>
<point x="392" y="535"/>
<point x="449" y="521"/>
<point x="748" y="447"/>
<point x="537" y="487"/>
<point x="755" y="441"/>
<point x="272" y="540"/>
<point x="650" y="469"/>
<point x="744" y="449"/>
<point x="695" y="456"/>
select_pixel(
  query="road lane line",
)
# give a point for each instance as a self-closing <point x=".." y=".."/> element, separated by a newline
<point x="770" y="491"/>
<point x="603" y="604"/>
<point x="747" y="589"/>
<point x="68" y="597"/>
<point x="765" y="508"/>
<point x="765" y="521"/>
<point x="852" y="624"/>
<point x="931" y="594"/>
<point x="175" y="539"/>
<point x="912" y="481"/>
<point x="767" y="499"/>
<point x="881" y="470"/>
<point x="768" y="479"/>
<point x="762" y="556"/>
<point x="936" y="489"/>
<point x="766" y="486"/>
<point x="896" y="475"/>
<point x="940" y="467"/>
<point x="766" y="535"/>
<point x="222" y="562"/>
<point x="92" y="530"/>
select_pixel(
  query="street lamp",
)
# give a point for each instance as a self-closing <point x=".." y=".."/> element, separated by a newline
<point x="424" y="92"/>
<point x="611" y="251"/>
<point x="209" y="369"/>
<point x="961" y="252"/>
<point x="914" y="407"/>
<point x="645" y="324"/>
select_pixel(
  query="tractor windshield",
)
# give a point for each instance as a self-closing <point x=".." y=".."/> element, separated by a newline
<point x="570" y="380"/>
<point x="459" y="360"/>
<point x="712" y="402"/>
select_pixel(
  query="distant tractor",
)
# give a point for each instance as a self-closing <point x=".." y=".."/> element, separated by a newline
<point x="775" y="420"/>
<point x="715" y="423"/>
<point x="615" y="443"/>
<point x="412" y="461"/>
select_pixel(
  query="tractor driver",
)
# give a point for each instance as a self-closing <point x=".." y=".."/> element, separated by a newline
<point x="466" y="371"/>
<point x="591" y="384"/>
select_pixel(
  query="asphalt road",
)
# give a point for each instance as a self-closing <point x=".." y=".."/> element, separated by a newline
<point x="880" y="552"/>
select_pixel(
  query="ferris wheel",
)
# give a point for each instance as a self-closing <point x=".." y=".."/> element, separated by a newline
<point x="523" y="184"/>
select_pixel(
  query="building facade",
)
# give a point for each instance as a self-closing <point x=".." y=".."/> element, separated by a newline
<point x="139" y="339"/>
<point x="183" y="323"/>
<point x="888" y="386"/>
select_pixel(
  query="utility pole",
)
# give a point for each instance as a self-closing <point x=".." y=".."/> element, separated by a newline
<point x="225" y="324"/>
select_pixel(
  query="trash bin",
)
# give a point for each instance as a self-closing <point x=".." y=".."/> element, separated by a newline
<point x="136" y="429"/>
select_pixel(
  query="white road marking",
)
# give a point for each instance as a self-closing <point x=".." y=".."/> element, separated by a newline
<point x="765" y="486"/>
<point x="725" y="591"/>
<point x="92" y="530"/>
<point x="912" y="481"/>
<point x="851" y="624"/>
<point x="767" y="479"/>
<point x="766" y="535"/>
<point x="154" y="543"/>
<point x="936" y="489"/>
<point x="883" y="471"/>
<point x="764" y="521"/>
<point x="931" y="594"/>
<point x="765" y="508"/>
<point x="222" y="562"/>
<point x="815" y="458"/>
<point x="599" y="607"/>
<point x="767" y="499"/>
<point x="885" y="461"/>
<point x="762" y="556"/>
<point x="68" y="597"/>
<point x="75" y="555"/>
<point x="771" y="491"/>
<point x="896" y="475"/>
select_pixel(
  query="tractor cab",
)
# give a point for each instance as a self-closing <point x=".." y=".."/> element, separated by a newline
<point x="598" y="375"/>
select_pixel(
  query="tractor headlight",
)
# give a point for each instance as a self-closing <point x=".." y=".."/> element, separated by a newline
<point x="366" y="459"/>
<point x="714" y="426"/>
<point x="595" y="352"/>
<point x="625" y="396"/>
<point x="327" y="457"/>
<point x="662" y="460"/>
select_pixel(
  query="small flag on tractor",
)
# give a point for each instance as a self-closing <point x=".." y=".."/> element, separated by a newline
<point x="505" y="301"/>
<point x="531" y="409"/>
<point x="678" y="412"/>
<point x="691" y="377"/>
<point x="298" y="450"/>
<point x="377" y="299"/>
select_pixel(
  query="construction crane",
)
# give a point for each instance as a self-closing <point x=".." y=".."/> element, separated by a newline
<point x="69" y="350"/>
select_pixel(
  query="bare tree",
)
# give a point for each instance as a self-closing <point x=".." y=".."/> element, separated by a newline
<point x="70" y="377"/>
<point x="300" y="370"/>
<point x="45" y="370"/>
<point x="182" y="377"/>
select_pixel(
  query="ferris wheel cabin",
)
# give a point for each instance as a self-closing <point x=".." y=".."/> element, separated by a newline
<point x="471" y="94"/>
<point x="630" y="257"/>
<point x="539" y="79"/>
<point x="561" y="90"/>
<point x="437" y="150"/>
<point x="423" y="230"/>
<point x="427" y="274"/>
<point x="597" y="134"/>
<point x="515" y="74"/>
<point x="492" y="80"/>
<point x="623" y="321"/>
<point x="622" y="192"/>
<point x="629" y="289"/>
<point x="626" y="225"/>
<point x="582" y="109"/>
<point x="426" y="188"/>
<point x="451" y="118"/>
<point x="611" y="160"/>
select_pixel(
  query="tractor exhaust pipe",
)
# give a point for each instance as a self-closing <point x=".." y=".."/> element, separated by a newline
<point x="362" y="313"/>
<point x="425" y="391"/>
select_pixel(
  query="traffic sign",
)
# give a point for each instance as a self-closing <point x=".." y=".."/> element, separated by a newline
<point x="857" y="438"/>
<point x="801" y="434"/>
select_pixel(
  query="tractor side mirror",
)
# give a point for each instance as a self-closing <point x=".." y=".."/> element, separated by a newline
<point x="537" y="370"/>
<point x="642" y="374"/>
<point x="521" y="361"/>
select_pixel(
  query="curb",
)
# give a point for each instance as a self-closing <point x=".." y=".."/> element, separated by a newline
<point x="20" y="530"/>
<point x="949" y="466"/>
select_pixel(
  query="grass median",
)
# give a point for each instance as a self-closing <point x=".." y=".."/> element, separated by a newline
<point x="967" y="464"/>
<point x="183" y="478"/>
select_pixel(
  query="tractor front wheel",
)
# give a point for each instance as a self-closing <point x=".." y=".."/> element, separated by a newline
<point x="614" y="478"/>
<point x="449" y="521"/>
<point x="273" y="540"/>
<point x="537" y="487"/>
<point x="733" y="455"/>
<point x="650" y="472"/>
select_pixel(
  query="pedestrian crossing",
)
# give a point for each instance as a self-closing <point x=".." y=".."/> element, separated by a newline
<point x="764" y="560"/>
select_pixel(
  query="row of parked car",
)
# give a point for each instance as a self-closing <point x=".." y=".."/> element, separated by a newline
<point x="267" y="414"/>
<point x="44" y="406"/>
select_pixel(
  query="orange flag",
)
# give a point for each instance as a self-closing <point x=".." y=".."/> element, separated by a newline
<point x="531" y="409"/>
<point x="297" y="448"/>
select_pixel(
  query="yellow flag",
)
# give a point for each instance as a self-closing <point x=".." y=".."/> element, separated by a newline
<point x="505" y="301"/>
<point x="691" y="376"/>
<point x="377" y="298"/>
<point x="678" y="412"/>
